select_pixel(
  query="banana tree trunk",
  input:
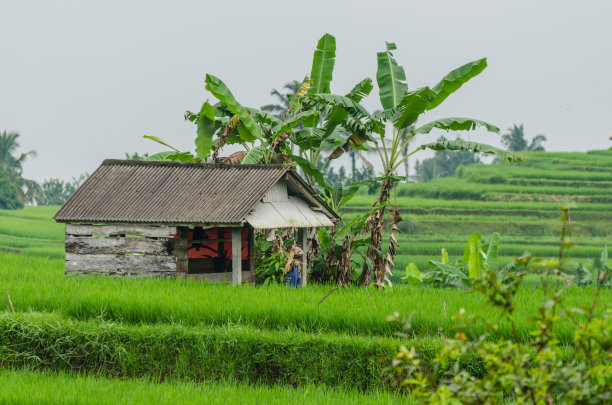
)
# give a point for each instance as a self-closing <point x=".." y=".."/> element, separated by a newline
<point x="375" y="224"/>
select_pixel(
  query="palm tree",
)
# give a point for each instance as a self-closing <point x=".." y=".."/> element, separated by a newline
<point x="405" y="140"/>
<point x="280" y="109"/>
<point x="355" y="154"/>
<point x="29" y="190"/>
<point x="515" y="140"/>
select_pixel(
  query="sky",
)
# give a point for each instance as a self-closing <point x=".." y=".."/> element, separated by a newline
<point x="83" y="81"/>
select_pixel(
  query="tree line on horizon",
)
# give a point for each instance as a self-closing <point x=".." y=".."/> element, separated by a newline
<point x="16" y="190"/>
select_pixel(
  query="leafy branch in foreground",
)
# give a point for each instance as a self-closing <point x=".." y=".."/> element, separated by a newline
<point x="510" y="371"/>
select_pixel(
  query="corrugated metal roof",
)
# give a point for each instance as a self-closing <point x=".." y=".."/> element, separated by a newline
<point x="278" y="192"/>
<point x="191" y="193"/>
<point x="292" y="213"/>
<point x="170" y="192"/>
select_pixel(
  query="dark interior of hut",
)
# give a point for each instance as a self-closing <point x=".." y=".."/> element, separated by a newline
<point x="209" y="250"/>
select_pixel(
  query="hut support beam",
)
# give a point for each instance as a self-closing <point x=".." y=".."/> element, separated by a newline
<point x="303" y="242"/>
<point x="236" y="256"/>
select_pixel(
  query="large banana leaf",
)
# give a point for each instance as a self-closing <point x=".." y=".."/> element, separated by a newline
<point x="244" y="133"/>
<point x="455" y="79"/>
<point x="254" y="156"/>
<point x="413" y="275"/>
<point x="308" y="138"/>
<point x="334" y="100"/>
<point x="334" y="138"/>
<point x="205" y="130"/>
<point x="390" y="78"/>
<point x="456" y="124"/>
<point x="223" y="94"/>
<point x="310" y="170"/>
<point x="323" y="65"/>
<point x="296" y="120"/>
<point x="265" y="118"/>
<point x="445" y="274"/>
<point x="472" y="255"/>
<point x="160" y="156"/>
<point x="459" y="144"/>
<point x="361" y="90"/>
<point x="412" y="105"/>
<point x="493" y="251"/>
<point x="159" y="140"/>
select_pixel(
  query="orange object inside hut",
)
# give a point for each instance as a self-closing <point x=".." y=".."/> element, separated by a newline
<point x="210" y="248"/>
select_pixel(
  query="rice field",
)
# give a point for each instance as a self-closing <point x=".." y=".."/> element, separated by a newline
<point x="40" y="388"/>
<point x="271" y="307"/>
<point x="115" y="340"/>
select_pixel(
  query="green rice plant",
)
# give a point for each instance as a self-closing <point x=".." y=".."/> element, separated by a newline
<point x="506" y="249"/>
<point x="32" y="212"/>
<point x="41" y="388"/>
<point x="453" y="188"/>
<point x="151" y="301"/>
<point x="542" y="228"/>
<point x="513" y="171"/>
<point x="519" y="240"/>
<point x="48" y="341"/>
<point x="405" y="204"/>
<point x="39" y="228"/>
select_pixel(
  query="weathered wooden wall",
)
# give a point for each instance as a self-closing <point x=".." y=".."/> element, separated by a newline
<point x="141" y="251"/>
<point x="122" y="250"/>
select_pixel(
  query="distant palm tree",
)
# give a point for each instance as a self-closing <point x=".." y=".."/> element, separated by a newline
<point x="515" y="140"/>
<point x="404" y="134"/>
<point x="355" y="154"/>
<point x="136" y="156"/>
<point x="280" y="109"/>
<point x="29" y="190"/>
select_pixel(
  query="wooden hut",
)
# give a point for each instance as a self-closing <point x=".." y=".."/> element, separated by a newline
<point x="187" y="220"/>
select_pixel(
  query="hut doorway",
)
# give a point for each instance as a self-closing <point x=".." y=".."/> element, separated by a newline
<point x="210" y="252"/>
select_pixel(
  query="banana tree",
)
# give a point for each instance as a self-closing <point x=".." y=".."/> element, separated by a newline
<point x="401" y="108"/>
<point x="315" y="123"/>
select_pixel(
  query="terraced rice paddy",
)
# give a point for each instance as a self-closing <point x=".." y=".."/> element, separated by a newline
<point x="521" y="202"/>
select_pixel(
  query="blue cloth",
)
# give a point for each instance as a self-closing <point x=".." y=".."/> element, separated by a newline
<point x="293" y="279"/>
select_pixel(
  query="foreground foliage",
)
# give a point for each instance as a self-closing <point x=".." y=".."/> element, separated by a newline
<point x="512" y="373"/>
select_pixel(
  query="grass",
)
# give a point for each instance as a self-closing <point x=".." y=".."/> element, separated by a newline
<point x="173" y="351"/>
<point x="30" y="387"/>
<point x="346" y="311"/>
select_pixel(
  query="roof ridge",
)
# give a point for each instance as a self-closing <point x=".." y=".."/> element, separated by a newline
<point x="117" y="162"/>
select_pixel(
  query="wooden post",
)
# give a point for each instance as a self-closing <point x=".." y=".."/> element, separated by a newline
<point x="220" y="249"/>
<point x="303" y="242"/>
<point x="236" y="255"/>
<point x="251" y="251"/>
<point x="180" y="251"/>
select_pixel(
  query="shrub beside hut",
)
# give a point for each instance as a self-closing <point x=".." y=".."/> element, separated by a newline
<point x="185" y="220"/>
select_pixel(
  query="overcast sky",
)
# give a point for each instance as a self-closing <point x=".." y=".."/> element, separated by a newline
<point x="82" y="81"/>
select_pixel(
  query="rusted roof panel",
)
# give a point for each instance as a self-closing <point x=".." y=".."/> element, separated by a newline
<point x="170" y="192"/>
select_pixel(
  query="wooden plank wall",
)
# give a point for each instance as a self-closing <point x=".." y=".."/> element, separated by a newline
<point x="140" y="251"/>
<point x="105" y="249"/>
